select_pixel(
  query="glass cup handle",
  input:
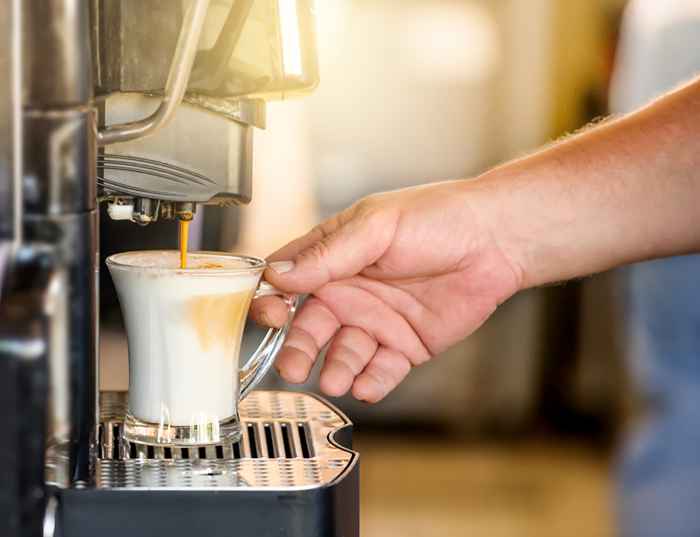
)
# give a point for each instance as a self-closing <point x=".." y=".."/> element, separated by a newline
<point x="264" y="356"/>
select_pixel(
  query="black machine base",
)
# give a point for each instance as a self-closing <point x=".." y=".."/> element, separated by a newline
<point x="293" y="474"/>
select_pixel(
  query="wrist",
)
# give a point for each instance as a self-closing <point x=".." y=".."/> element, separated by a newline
<point x="489" y="203"/>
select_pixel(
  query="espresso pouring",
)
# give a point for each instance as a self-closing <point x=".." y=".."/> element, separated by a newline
<point x="184" y="239"/>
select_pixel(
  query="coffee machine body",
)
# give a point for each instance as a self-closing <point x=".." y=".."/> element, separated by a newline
<point x="148" y="106"/>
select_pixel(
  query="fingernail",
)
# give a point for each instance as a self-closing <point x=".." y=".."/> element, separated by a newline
<point x="280" y="267"/>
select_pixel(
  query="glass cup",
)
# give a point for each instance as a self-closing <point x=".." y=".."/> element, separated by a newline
<point x="184" y="329"/>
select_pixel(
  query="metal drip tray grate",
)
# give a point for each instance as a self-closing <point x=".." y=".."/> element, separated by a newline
<point x="261" y="439"/>
<point x="287" y="443"/>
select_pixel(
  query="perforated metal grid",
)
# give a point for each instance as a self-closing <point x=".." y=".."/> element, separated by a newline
<point x="287" y="443"/>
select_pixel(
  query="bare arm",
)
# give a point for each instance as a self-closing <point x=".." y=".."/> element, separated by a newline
<point x="399" y="277"/>
<point x="624" y="191"/>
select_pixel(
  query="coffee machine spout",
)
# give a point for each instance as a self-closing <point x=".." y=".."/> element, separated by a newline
<point x="144" y="211"/>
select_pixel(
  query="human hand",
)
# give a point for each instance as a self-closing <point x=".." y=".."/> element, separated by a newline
<point x="394" y="280"/>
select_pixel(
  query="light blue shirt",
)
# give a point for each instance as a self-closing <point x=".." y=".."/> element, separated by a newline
<point x="660" y="466"/>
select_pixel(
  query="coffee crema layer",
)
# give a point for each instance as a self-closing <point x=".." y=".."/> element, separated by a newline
<point x="170" y="259"/>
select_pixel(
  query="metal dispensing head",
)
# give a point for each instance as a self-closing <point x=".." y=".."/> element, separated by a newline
<point x="230" y="56"/>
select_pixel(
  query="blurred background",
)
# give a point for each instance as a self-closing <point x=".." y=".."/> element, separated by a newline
<point x="514" y="430"/>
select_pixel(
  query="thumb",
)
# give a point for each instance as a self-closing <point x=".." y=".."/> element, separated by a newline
<point x="334" y="251"/>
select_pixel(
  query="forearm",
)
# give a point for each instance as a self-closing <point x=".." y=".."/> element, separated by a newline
<point x="624" y="191"/>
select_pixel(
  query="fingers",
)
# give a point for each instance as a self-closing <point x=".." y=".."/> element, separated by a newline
<point x="371" y="311"/>
<point x="312" y="328"/>
<point x="384" y="372"/>
<point x="335" y="250"/>
<point x="349" y="352"/>
<point x="269" y="311"/>
<point x="354" y="359"/>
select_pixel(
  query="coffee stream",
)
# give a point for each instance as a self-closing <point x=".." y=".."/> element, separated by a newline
<point x="184" y="236"/>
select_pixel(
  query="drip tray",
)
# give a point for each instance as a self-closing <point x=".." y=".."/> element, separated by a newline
<point x="290" y="441"/>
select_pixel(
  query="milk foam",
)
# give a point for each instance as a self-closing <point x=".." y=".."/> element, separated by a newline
<point x="184" y="333"/>
<point x="168" y="259"/>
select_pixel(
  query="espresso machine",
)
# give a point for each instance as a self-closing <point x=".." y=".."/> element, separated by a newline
<point x="147" y="106"/>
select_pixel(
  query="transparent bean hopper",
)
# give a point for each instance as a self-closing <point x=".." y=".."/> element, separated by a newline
<point x="148" y="106"/>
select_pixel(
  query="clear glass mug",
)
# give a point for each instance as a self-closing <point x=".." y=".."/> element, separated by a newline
<point x="184" y="330"/>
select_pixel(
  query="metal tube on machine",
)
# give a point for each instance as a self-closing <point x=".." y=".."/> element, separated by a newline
<point x="175" y="86"/>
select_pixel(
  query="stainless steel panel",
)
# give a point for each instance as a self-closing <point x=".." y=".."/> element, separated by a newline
<point x="59" y="165"/>
<point x="10" y="122"/>
<point x="57" y="61"/>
